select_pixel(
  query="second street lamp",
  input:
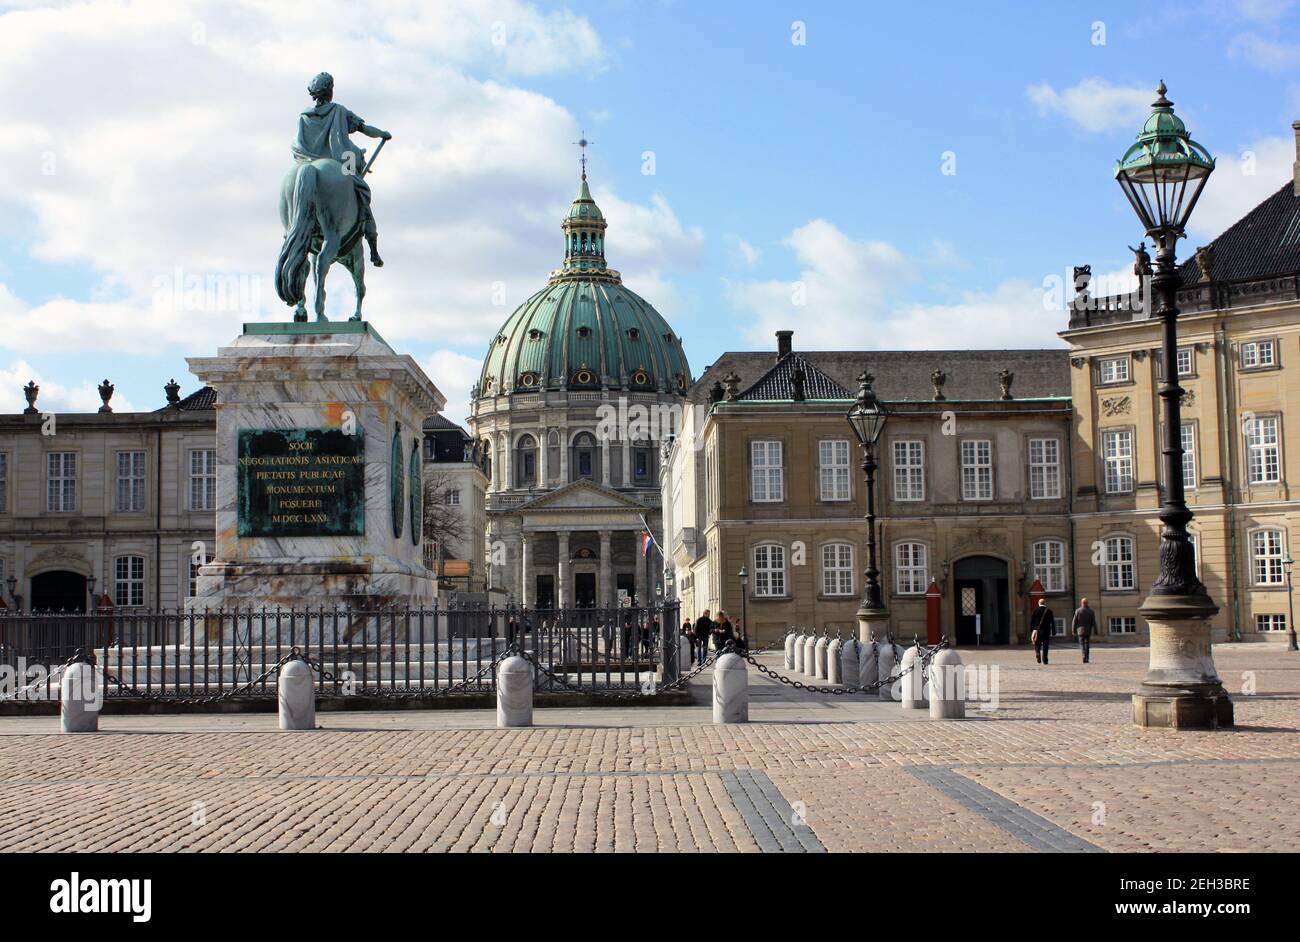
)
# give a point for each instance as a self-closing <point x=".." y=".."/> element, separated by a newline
<point x="1162" y="175"/>
<point x="1288" y="564"/>
<point x="867" y="419"/>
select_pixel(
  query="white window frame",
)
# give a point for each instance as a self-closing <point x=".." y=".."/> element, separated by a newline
<point x="1121" y="625"/>
<point x="452" y="497"/>
<point x="911" y="568"/>
<point x="1049" y="564"/>
<point x="767" y="471"/>
<point x="1267" y="550"/>
<point x="1258" y="354"/>
<point x="61" y="485"/>
<point x="130" y="486"/>
<point x="1117" y="367"/>
<point x="1117" y="461"/>
<point x="977" y="469"/>
<point x="833" y="463"/>
<point x="837" y="569"/>
<point x="1191" y="362"/>
<point x="203" y="481"/>
<point x="1263" y="450"/>
<point x="1277" y="623"/>
<point x="128" y="581"/>
<point x="909" y="469"/>
<point x="1058" y="627"/>
<point x="769" y="571"/>
<point x="1187" y="438"/>
<point x="1045" y="469"/>
<point x="1119" y="563"/>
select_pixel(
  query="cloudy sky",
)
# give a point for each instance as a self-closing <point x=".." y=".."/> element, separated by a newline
<point x="866" y="176"/>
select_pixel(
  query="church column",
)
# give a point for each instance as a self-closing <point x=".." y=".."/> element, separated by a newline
<point x="639" y="585"/>
<point x="606" y="594"/>
<point x="543" y="457"/>
<point x="627" y="461"/>
<point x="507" y="482"/>
<point x="562" y="571"/>
<point x="564" y="454"/>
<point x="604" y="461"/>
<point x="526" y="571"/>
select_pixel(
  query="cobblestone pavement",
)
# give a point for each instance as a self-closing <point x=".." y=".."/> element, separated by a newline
<point x="1057" y="766"/>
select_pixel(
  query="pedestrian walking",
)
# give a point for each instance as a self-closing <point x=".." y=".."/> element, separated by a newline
<point x="688" y="632"/>
<point x="1041" y="623"/>
<point x="703" y="627"/>
<point x="723" y="632"/>
<point x="1084" y="624"/>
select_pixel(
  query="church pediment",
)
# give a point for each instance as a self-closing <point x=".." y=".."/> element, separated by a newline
<point x="583" y="495"/>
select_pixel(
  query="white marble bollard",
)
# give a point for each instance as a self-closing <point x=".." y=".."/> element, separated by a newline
<point x="887" y="662"/>
<point x="810" y="656"/>
<point x="79" y="699"/>
<point x="869" y="664"/>
<point x="833" y="660"/>
<point x="947" y="686"/>
<point x="789" y="650"/>
<point x="514" y="693"/>
<point x="913" y="681"/>
<point x="798" y="653"/>
<point x="296" y="690"/>
<point x="849" y="661"/>
<point x="730" y="690"/>
<point x="819" y="657"/>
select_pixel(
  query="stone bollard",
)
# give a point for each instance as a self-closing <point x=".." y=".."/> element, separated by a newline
<point x="819" y="655"/>
<point x="833" y="660"/>
<point x="947" y="686"/>
<point x="514" y="693"/>
<point x="869" y="664"/>
<point x="296" y="688"/>
<point x="789" y="650"/>
<point x="849" y="661"/>
<point x="79" y="700"/>
<point x="730" y="690"/>
<point x="810" y="656"/>
<point x="913" y="681"/>
<point x="798" y="653"/>
<point x="887" y="660"/>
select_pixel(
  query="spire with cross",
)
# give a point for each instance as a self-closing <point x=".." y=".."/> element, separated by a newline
<point x="582" y="142"/>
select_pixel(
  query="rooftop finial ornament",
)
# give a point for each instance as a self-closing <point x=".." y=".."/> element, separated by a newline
<point x="105" y="394"/>
<point x="173" y="391"/>
<point x="31" y="391"/>
<point x="583" y="143"/>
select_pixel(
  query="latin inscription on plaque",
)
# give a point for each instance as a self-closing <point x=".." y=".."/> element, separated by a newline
<point x="301" y="482"/>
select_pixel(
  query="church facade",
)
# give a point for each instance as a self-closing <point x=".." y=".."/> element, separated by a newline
<point x="575" y="393"/>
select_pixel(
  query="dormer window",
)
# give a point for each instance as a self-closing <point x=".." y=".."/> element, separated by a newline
<point x="640" y="378"/>
<point x="584" y="332"/>
<point x="584" y="377"/>
<point x="528" y="380"/>
<point x="634" y="333"/>
<point x="534" y="334"/>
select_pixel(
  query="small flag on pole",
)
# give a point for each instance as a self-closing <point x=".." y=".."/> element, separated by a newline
<point x="646" y="542"/>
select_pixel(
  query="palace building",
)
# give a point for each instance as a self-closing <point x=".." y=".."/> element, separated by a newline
<point x="568" y="406"/>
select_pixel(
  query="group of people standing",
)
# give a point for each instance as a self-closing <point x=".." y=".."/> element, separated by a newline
<point x="1042" y="621"/>
<point x="717" y="627"/>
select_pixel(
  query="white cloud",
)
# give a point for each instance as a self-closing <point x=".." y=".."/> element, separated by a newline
<point x="743" y="253"/>
<point x="454" y="374"/>
<point x="1241" y="180"/>
<point x="1264" y="9"/>
<point x="1267" y="54"/>
<point x="53" y="397"/>
<point x="1095" y="104"/>
<point x="161" y="147"/>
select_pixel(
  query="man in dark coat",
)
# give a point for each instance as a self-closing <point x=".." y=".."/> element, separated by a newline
<point x="1041" y="623"/>
<point x="1084" y="624"/>
<point x="703" y="628"/>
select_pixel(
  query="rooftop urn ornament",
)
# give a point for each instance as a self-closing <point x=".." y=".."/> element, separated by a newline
<point x="105" y="394"/>
<point x="937" y="379"/>
<point x="1163" y="175"/>
<point x="1205" y="262"/>
<point x="31" y="391"/>
<point x="1005" y="379"/>
<point x="325" y="202"/>
<point x="172" y="389"/>
<point x="732" y="383"/>
<point x="716" y="392"/>
<point x="1082" y="285"/>
<point x="797" y="380"/>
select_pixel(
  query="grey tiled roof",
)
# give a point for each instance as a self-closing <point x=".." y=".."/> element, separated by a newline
<point x="1264" y="242"/>
<point x="440" y="423"/>
<point x="202" y="400"/>
<point x="777" y="384"/>
<point x="903" y="375"/>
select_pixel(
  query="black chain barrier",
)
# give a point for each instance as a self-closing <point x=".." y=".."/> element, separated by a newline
<point x="848" y="688"/>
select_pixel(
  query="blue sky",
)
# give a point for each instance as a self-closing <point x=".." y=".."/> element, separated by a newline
<point x="774" y="163"/>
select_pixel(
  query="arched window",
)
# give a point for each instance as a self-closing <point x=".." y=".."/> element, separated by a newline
<point x="1119" y="564"/>
<point x="911" y="568"/>
<point x="1266" y="555"/>
<point x="643" y="464"/>
<point x="582" y="463"/>
<point x="837" y="569"/>
<point x="526" y="461"/>
<point x="1049" y="564"/>
<point x="769" y="570"/>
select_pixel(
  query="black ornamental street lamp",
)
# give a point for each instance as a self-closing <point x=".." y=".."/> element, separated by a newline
<point x="1288" y="564"/>
<point x="1162" y="175"/>
<point x="744" y="596"/>
<point x="867" y="419"/>
<point x="90" y="588"/>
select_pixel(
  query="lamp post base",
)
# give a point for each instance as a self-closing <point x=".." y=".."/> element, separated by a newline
<point x="873" y="624"/>
<point x="1182" y="689"/>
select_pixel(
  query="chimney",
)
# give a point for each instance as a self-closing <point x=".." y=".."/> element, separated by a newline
<point x="783" y="336"/>
<point x="1295" y="167"/>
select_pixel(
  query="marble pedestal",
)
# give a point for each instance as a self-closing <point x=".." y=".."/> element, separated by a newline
<point x="873" y="624"/>
<point x="1182" y="689"/>
<point x="335" y="378"/>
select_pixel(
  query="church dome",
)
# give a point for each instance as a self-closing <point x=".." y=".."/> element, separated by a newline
<point x="585" y="329"/>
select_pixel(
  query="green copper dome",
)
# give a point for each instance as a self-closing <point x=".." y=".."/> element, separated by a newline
<point x="585" y="330"/>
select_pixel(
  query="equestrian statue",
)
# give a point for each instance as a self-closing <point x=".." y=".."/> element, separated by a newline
<point x="325" y="202"/>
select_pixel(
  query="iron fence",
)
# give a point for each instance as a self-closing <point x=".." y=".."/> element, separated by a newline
<point x="389" y="652"/>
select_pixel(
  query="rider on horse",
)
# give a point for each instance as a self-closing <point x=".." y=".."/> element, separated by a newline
<point x="323" y="132"/>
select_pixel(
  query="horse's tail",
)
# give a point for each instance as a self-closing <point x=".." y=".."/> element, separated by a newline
<point x="291" y="267"/>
